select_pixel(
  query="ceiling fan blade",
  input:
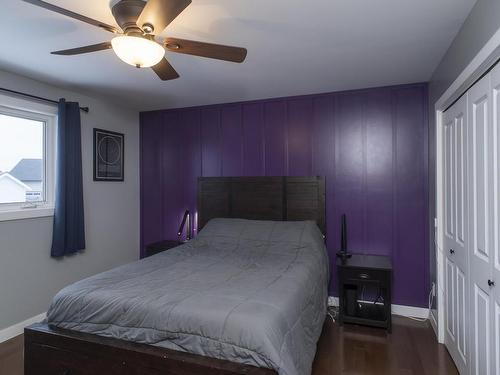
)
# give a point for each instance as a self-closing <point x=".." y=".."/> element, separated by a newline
<point x="212" y="51"/>
<point x="160" y="13"/>
<point x="86" y="49"/>
<point x="79" y="17"/>
<point x="165" y="71"/>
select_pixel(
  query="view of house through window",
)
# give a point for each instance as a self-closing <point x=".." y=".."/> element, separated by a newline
<point x="21" y="159"/>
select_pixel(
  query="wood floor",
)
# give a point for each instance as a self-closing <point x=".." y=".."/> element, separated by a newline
<point x="411" y="349"/>
<point x="11" y="356"/>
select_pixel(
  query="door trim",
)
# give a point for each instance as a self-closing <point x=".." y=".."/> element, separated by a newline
<point x="486" y="57"/>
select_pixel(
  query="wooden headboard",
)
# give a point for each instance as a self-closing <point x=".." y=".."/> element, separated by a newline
<point x="262" y="198"/>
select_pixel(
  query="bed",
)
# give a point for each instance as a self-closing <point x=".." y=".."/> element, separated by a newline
<point x="245" y="296"/>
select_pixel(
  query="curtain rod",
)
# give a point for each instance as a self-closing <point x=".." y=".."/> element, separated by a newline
<point x="84" y="109"/>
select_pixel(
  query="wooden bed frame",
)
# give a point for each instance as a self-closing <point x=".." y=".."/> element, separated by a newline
<point x="55" y="351"/>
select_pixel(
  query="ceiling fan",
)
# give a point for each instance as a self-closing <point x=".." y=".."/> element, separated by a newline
<point x="135" y="41"/>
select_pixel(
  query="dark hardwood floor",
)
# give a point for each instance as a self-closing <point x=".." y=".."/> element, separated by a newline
<point x="411" y="349"/>
<point x="11" y="356"/>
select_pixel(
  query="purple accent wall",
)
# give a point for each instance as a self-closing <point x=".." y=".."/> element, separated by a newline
<point x="371" y="145"/>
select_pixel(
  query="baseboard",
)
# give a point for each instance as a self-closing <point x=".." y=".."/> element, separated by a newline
<point x="410" y="311"/>
<point x="402" y="310"/>
<point x="333" y="301"/>
<point x="434" y="324"/>
<point x="17" y="329"/>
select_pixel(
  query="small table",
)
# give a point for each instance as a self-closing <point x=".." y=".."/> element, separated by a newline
<point x="158" y="247"/>
<point x="357" y="273"/>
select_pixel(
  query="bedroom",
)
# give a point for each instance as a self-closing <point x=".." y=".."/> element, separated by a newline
<point x="184" y="218"/>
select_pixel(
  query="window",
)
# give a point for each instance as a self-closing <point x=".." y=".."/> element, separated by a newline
<point x="27" y="142"/>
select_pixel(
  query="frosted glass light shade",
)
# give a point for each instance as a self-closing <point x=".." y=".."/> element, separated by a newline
<point x="137" y="51"/>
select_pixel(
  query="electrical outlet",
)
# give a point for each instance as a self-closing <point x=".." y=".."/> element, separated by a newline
<point x="433" y="290"/>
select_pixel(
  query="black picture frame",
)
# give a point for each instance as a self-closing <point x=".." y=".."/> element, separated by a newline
<point x="109" y="156"/>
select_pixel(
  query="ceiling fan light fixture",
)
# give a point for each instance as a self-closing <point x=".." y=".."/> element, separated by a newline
<point x="138" y="51"/>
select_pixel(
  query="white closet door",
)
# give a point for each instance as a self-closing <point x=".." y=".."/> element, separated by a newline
<point x="495" y="266"/>
<point x="456" y="239"/>
<point x="481" y="223"/>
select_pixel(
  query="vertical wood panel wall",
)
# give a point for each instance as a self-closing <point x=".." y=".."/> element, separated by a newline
<point x="371" y="145"/>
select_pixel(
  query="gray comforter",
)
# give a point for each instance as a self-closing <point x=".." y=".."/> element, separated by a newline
<point x="253" y="292"/>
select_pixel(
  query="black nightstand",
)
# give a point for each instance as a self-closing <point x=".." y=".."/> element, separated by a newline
<point x="365" y="290"/>
<point x="158" y="247"/>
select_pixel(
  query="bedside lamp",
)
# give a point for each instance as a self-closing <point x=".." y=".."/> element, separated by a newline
<point x="186" y="219"/>
<point x="343" y="254"/>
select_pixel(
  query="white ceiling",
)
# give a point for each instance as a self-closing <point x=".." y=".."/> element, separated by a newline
<point x="294" y="47"/>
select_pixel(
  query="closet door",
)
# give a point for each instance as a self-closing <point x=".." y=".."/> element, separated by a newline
<point x="495" y="266"/>
<point x="456" y="239"/>
<point x="481" y="224"/>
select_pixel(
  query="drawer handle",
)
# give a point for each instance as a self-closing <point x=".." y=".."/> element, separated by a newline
<point x="491" y="283"/>
<point x="364" y="276"/>
<point x="452" y="251"/>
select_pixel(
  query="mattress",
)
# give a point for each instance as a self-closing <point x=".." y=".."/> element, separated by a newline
<point x="252" y="292"/>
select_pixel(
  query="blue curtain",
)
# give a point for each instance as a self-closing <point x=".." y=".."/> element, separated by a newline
<point x="69" y="226"/>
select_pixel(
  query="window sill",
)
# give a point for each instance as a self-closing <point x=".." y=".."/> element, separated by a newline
<point x="26" y="213"/>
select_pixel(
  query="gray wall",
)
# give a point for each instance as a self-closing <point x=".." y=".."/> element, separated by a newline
<point x="478" y="28"/>
<point x="28" y="276"/>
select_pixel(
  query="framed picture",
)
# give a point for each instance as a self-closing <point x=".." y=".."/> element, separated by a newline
<point x="108" y="155"/>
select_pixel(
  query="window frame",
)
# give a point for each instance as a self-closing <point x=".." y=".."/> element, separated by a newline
<point x="47" y="114"/>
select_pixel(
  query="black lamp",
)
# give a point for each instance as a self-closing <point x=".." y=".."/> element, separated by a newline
<point x="185" y="219"/>
<point x="343" y="254"/>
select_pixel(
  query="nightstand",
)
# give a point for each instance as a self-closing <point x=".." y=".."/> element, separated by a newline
<point x="158" y="247"/>
<point x="365" y="290"/>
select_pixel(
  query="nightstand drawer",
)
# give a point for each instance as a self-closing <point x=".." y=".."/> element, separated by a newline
<point x="365" y="275"/>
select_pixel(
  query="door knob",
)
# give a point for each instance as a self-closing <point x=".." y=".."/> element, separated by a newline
<point x="491" y="283"/>
<point x="452" y="251"/>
